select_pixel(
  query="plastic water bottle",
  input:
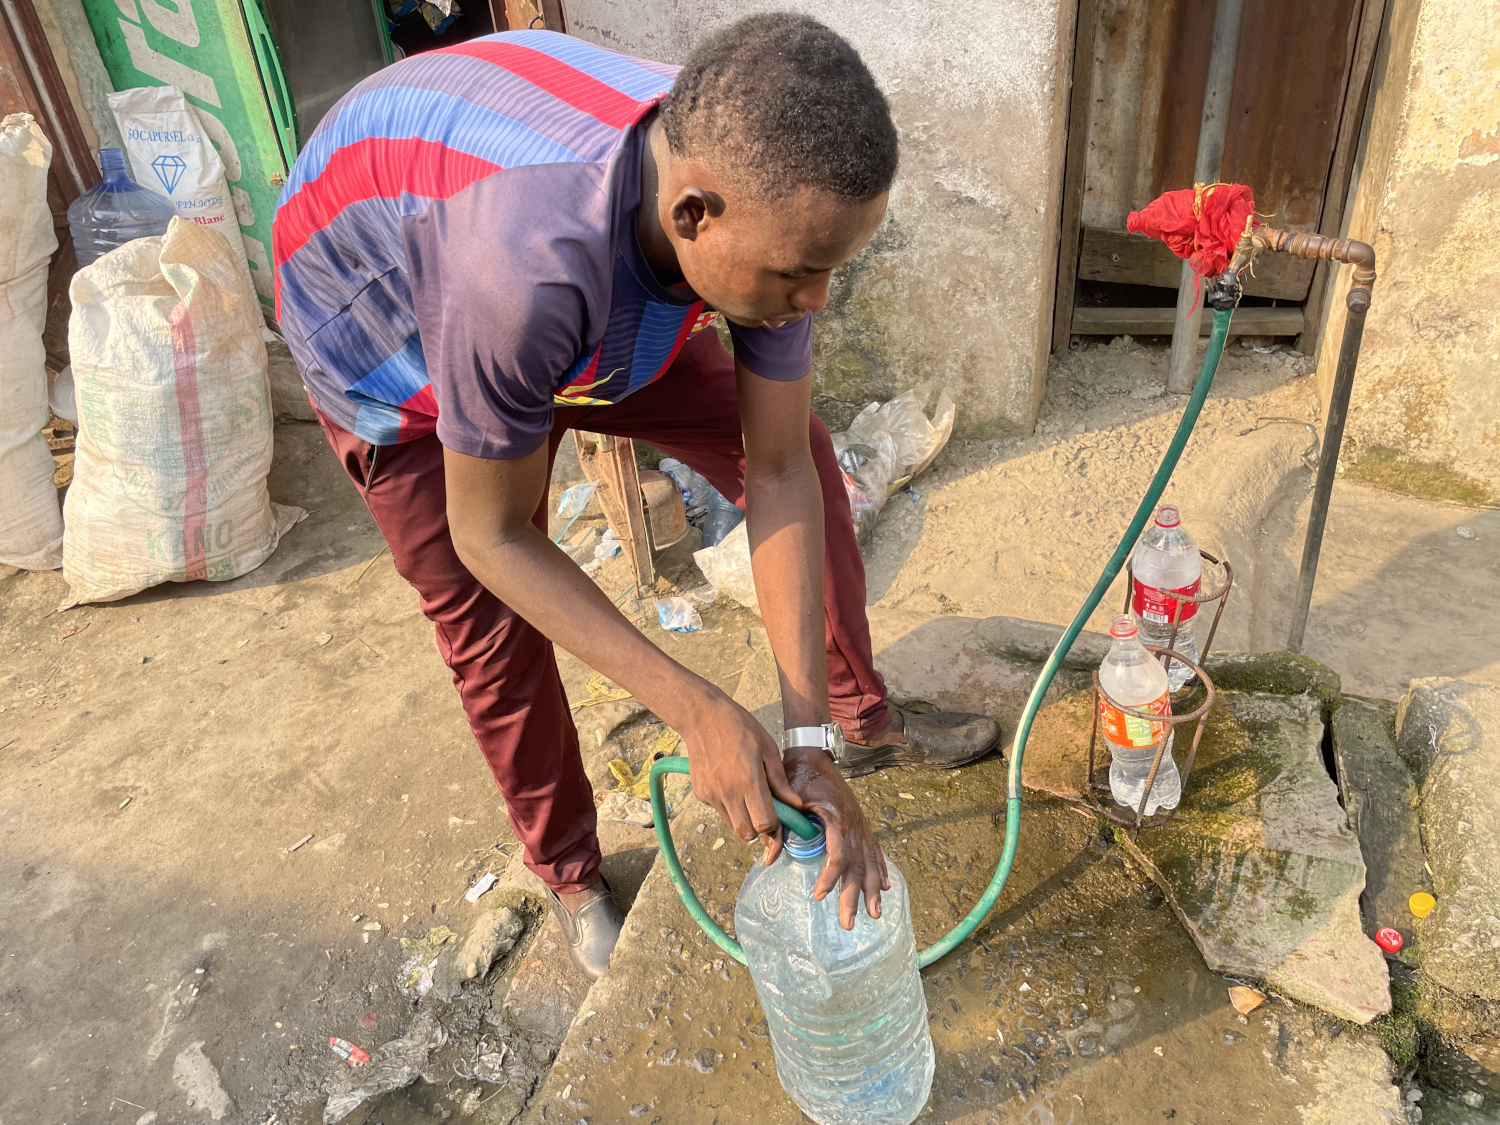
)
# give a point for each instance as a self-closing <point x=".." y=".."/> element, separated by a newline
<point x="692" y="484"/>
<point x="1166" y="561"/>
<point x="723" y="517"/>
<point x="1135" y="678"/>
<point x="115" y="212"/>
<point x="845" y="1008"/>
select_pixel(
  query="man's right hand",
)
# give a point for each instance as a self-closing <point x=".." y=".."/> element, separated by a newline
<point x="736" y="768"/>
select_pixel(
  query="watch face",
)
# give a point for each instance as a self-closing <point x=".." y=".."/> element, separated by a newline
<point x="836" y="741"/>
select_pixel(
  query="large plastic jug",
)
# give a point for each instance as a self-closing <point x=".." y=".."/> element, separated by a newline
<point x="845" y="1008"/>
<point x="115" y="212"/>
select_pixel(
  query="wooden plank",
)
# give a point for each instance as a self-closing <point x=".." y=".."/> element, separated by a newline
<point x="609" y="462"/>
<point x="1132" y="259"/>
<point x="1366" y="36"/>
<point x="1080" y="108"/>
<point x="1158" y="322"/>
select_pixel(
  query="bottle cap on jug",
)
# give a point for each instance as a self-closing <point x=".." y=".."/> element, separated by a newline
<point x="1166" y="516"/>
<point x="806" y="849"/>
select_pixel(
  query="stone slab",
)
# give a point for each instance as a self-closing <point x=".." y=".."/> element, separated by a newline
<point x="1261" y="863"/>
<point x="1380" y="798"/>
<point x="1081" y="990"/>
<point x="1449" y="732"/>
<point x="1015" y="638"/>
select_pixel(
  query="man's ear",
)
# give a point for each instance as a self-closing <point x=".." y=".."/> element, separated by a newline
<point x="692" y="210"/>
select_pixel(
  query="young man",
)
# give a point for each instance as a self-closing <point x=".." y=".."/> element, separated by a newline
<point x="483" y="247"/>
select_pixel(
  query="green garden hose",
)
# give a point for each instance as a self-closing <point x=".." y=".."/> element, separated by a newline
<point x="799" y="824"/>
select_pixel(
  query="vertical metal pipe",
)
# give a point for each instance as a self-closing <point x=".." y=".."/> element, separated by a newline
<point x="1328" y="464"/>
<point x="1224" y="51"/>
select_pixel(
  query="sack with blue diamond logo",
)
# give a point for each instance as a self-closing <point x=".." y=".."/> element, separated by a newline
<point x="170" y="152"/>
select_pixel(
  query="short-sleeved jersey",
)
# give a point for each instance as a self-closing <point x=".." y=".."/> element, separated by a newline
<point x="456" y="251"/>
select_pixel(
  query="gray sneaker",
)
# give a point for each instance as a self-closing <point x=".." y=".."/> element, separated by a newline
<point x="939" y="740"/>
<point x="591" y="932"/>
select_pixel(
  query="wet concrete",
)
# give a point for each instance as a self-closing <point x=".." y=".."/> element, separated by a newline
<point x="1081" y="999"/>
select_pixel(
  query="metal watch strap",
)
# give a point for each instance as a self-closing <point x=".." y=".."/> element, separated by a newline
<point x="828" y="738"/>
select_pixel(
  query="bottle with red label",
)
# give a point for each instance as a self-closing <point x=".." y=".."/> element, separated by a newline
<point x="1166" y="561"/>
<point x="1134" y="678"/>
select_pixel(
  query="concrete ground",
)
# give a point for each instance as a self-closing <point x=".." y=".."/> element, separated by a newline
<point x="167" y="952"/>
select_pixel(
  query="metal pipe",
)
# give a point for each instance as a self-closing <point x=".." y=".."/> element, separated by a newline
<point x="1223" y="53"/>
<point x="1333" y="438"/>
<point x="1362" y="256"/>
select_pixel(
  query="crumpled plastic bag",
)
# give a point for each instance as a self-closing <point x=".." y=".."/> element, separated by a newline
<point x="727" y="567"/>
<point x="396" y="1064"/>
<point x="573" y="502"/>
<point x="886" y="445"/>
<point x="677" y="615"/>
<point x="692" y="484"/>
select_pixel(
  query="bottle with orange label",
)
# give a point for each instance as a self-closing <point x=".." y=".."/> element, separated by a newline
<point x="1134" y="678"/>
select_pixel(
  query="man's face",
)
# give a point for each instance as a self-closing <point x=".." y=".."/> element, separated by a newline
<point x="764" y="263"/>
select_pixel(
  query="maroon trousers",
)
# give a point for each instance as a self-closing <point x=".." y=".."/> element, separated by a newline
<point x="505" y="670"/>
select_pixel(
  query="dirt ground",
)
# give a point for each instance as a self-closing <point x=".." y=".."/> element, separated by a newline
<point x="166" y="948"/>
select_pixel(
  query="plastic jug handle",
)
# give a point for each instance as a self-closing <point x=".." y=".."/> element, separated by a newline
<point x="659" y="770"/>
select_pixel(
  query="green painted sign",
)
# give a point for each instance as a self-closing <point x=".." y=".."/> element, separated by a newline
<point x="221" y="54"/>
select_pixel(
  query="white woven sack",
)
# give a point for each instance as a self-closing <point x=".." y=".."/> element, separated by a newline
<point x="31" y="528"/>
<point x="171" y="153"/>
<point x="174" y="412"/>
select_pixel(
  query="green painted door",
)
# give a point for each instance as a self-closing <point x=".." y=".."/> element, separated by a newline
<point x="222" y="55"/>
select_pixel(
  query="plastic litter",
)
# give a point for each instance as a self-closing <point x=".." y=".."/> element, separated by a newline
<point x="608" y="546"/>
<point x="482" y="887"/>
<point x="722" y="518"/>
<point x="1421" y="904"/>
<point x="677" y="615"/>
<point x="1389" y="940"/>
<point x="61" y="397"/>
<point x="727" y="567"/>
<point x="885" y="447"/>
<point x="692" y="484"/>
<point x="396" y="1064"/>
<point x="490" y="1067"/>
<point x="1467" y="532"/>
<point x="573" y="502"/>
<point x="354" y="1056"/>
<point x="620" y="806"/>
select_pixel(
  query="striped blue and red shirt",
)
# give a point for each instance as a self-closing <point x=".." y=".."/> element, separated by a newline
<point x="455" y="248"/>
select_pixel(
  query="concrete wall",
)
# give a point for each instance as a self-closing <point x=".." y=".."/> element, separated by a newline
<point x="957" y="285"/>
<point x="1427" y="197"/>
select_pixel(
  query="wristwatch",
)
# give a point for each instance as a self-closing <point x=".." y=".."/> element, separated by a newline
<point x="829" y="738"/>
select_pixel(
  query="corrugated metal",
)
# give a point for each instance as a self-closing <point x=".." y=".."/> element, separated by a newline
<point x="1151" y="64"/>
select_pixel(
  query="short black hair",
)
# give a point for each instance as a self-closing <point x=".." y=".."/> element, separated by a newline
<point x="790" y="103"/>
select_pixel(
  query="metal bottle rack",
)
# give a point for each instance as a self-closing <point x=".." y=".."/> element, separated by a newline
<point x="1096" y="780"/>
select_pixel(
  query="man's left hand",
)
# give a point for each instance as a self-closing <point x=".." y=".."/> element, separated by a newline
<point x="854" y="858"/>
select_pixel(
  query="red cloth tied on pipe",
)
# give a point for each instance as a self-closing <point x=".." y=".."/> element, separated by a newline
<point x="1202" y="224"/>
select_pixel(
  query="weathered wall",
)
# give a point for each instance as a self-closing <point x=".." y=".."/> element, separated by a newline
<point x="1427" y="197"/>
<point x="82" y="70"/>
<point x="957" y="285"/>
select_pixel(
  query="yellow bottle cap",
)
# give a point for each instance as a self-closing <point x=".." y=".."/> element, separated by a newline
<point x="1421" y="904"/>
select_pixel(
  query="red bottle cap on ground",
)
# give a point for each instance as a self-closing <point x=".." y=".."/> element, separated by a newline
<point x="1388" y="939"/>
